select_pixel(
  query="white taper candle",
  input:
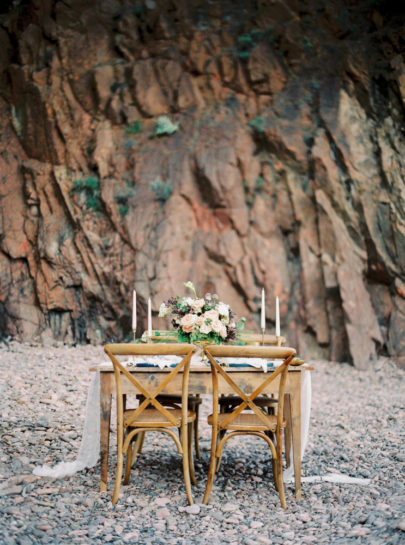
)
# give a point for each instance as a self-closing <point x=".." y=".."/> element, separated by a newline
<point x="134" y="309"/>
<point x="277" y="318"/>
<point x="149" y="318"/>
<point x="263" y="317"/>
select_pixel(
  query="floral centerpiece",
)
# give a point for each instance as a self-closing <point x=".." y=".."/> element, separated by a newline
<point x="204" y="319"/>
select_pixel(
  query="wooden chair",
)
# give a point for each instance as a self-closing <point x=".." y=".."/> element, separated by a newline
<point x="174" y="401"/>
<point x="238" y="421"/>
<point x="151" y="415"/>
<point x="228" y="403"/>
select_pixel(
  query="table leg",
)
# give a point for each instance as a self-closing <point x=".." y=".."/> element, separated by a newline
<point x="295" y="403"/>
<point x="105" y="417"/>
<point x="287" y="430"/>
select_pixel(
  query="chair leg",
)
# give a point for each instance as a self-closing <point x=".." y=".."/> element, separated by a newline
<point x="280" y="483"/>
<point x="186" y="465"/>
<point x="220" y="436"/>
<point x="275" y="475"/>
<point x="211" y="470"/>
<point x="279" y="468"/>
<point x="128" y="464"/>
<point x="138" y="445"/>
<point x="190" y="452"/>
<point x="118" y="474"/>
<point x="196" y="438"/>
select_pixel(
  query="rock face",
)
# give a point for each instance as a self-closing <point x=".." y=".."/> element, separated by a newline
<point x="237" y="144"/>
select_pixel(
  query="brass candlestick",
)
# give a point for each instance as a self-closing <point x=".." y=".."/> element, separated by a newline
<point x="263" y="329"/>
<point x="134" y="332"/>
<point x="278" y="339"/>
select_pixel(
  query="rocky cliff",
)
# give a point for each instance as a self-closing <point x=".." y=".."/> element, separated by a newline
<point x="237" y="144"/>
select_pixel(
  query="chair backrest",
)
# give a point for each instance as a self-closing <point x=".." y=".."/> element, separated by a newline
<point x="247" y="398"/>
<point x="120" y="371"/>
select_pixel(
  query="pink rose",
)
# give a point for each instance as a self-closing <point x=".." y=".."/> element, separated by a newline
<point x="187" y="322"/>
<point x="197" y="304"/>
<point x="219" y="328"/>
<point x="205" y="329"/>
<point x="199" y="321"/>
<point x="211" y="315"/>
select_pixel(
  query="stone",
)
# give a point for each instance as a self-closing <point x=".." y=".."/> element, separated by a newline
<point x="401" y="524"/>
<point x="10" y="490"/>
<point x="193" y="509"/>
<point x="281" y="175"/>
<point x="230" y="507"/>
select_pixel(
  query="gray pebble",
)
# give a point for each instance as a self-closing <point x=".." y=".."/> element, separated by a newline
<point x="193" y="509"/>
<point x="43" y="418"/>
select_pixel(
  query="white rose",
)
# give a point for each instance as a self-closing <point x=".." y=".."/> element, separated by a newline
<point x="205" y="328"/>
<point x="211" y="315"/>
<point x="223" y="309"/>
<point x="163" y="310"/>
<point x="197" y="304"/>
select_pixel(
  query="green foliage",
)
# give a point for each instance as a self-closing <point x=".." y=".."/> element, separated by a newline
<point x="257" y="123"/>
<point x="90" y="187"/>
<point x="121" y="198"/>
<point x="123" y="210"/>
<point x="307" y="43"/>
<point x="246" y="42"/>
<point x="259" y="183"/>
<point x="162" y="190"/>
<point x="164" y="126"/>
<point x="134" y="127"/>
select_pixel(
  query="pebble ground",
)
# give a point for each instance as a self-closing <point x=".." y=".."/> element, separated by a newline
<point x="357" y="428"/>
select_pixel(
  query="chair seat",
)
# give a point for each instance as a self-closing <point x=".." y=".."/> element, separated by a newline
<point x="155" y="419"/>
<point x="247" y="422"/>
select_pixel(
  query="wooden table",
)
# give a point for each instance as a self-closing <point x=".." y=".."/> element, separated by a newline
<point x="200" y="383"/>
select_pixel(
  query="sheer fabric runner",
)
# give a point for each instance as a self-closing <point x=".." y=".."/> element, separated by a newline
<point x="90" y="447"/>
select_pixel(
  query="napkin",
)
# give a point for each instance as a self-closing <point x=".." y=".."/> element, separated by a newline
<point x="251" y="362"/>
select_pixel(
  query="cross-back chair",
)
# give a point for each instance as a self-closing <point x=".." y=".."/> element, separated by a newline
<point x="228" y="402"/>
<point x="151" y="414"/>
<point x="239" y="422"/>
<point x="173" y="401"/>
